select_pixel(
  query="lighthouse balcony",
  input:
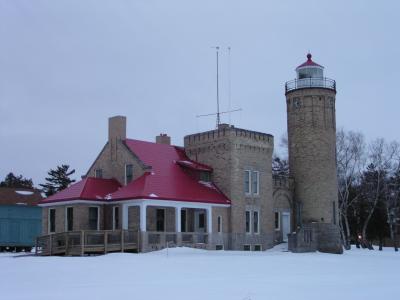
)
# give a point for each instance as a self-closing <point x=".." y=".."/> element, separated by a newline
<point x="305" y="83"/>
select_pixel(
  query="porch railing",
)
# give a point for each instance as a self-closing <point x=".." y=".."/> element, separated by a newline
<point x="104" y="241"/>
<point x="86" y="242"/>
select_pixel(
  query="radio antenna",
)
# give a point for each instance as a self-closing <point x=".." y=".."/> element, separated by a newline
<point x="218" y="113"/>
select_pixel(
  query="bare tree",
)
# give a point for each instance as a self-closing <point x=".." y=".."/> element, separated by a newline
<point x="380" y="159"/>
<point x="392" y="197"/>
<point x="350" y="157"/>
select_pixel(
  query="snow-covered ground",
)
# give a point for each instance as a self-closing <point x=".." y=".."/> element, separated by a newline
<point x="184" y="273"/>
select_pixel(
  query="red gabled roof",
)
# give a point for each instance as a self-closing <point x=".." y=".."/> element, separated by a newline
<point x="88" y="188"/>
<point x="19" y="196"/>
<point x="309" y="63"/>
<point x="167" y="180"/>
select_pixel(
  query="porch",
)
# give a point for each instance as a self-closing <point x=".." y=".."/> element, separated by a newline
<point x="79" y="243"/>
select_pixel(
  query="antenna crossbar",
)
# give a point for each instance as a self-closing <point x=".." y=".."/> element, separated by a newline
<point x="219" y="113"/>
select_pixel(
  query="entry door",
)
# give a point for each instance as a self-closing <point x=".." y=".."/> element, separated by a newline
<point x="285" y="225"/>
<point x="200" y="221"/>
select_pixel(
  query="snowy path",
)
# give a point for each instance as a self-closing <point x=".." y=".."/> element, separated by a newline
<point x="196" y="274"/>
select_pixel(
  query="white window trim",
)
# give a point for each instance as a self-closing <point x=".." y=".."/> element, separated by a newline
<point x="98" y="216"/>
<point x="257" y="192"/>
<point x="258" y="221"/>
<point x="113" y="213"/>
<point x="219" y="220"/>
<point x="279" y="221"/>
<point x="247" y="171"/>
<point x="66" y="218"/>
<point x="49" y="220"/>
<point x="250" y="221"/>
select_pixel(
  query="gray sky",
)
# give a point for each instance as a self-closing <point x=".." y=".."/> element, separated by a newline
<point x="66" y="66"/>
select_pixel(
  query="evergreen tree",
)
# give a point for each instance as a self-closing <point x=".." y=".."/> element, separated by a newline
<point x="58" y="180"/>
<point x="13" y="181"/>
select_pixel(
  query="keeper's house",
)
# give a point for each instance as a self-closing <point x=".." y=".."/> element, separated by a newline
<point x="215" y="193"/>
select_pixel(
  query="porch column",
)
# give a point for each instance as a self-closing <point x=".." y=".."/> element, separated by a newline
<point x="209" y="219"/>
<point x="125" y="216"/>
<point x="143" y="217"/>
<point x="178" y="219"/>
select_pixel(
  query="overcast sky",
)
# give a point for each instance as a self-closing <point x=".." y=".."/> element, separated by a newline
<point x="66" y="66"/>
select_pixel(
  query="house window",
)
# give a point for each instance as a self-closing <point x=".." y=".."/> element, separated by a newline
<point x="160" y="219"/>
<point x="219" y="247"/>
<point x="256" y="222"/>
<point x="69" y="218"/>
<point x="52" y="220"/>
<point x="98" y="173"/>
<point x="219" y="224"/>
<point x="255" y="178"/>
<point x="247" y="221"/>
<point x="277" y="220"/>
<point x="93" y="218"/>
<point x="202" y="220"/>
<point x="115" y="217"/>
<point x="257" y="248"/>
<point x="205" y="176"/>
<point x="247" y="188"/>
<point x="183" y="220"/>
<point x="128" y="173"/>
<point x="246" y="247"/>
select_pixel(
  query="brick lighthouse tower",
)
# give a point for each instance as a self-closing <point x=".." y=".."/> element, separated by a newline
<point x="311" y="120"/>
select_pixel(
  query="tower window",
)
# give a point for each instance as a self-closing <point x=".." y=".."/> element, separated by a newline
<point x="255" y="178"/>
<point x="247" y="221"/>
<point x="277" y="221"/>
<point x="247" y="188"/>
<point x="296" y="102"/>
<point x="256" y="222"/>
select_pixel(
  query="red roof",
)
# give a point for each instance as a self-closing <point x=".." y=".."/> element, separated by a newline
<point x="167" y="180"/>
<point x="309" y="62"/>
<point x="87" y="189"/>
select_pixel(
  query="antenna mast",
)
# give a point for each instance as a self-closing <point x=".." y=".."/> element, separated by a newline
<point x="218" y="113"/>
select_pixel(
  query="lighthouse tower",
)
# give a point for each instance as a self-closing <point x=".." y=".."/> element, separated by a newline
<point x="311" y="122"/>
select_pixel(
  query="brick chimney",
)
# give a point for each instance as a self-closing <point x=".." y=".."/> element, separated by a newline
<point x="163" y="138"/>
<point x="116" y="128"/>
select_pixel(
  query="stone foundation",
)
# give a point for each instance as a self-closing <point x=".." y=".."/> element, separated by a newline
<point x="323" y="237"/>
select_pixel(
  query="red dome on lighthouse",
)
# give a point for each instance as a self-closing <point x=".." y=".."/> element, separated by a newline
<point x="309" y="63"/>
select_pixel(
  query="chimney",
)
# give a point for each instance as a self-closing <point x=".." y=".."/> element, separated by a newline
<point x="163" y="138"/>
<point x="116" y="128"/>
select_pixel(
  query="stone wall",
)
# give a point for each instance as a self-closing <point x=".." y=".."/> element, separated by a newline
<point x="312" y="152"/>
<point x="323" y="237"/>
<point x="230" y="151"/>
<point x="80" y="217"/>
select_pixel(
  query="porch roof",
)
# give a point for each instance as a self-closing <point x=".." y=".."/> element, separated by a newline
<point x="88" y="188"/>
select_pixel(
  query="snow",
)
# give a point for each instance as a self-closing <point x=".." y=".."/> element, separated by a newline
<point x="26" y="193"/>
<point x="207" y="184"/>
<point x="153" y="195"/>
<point x="183" y="273"/>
